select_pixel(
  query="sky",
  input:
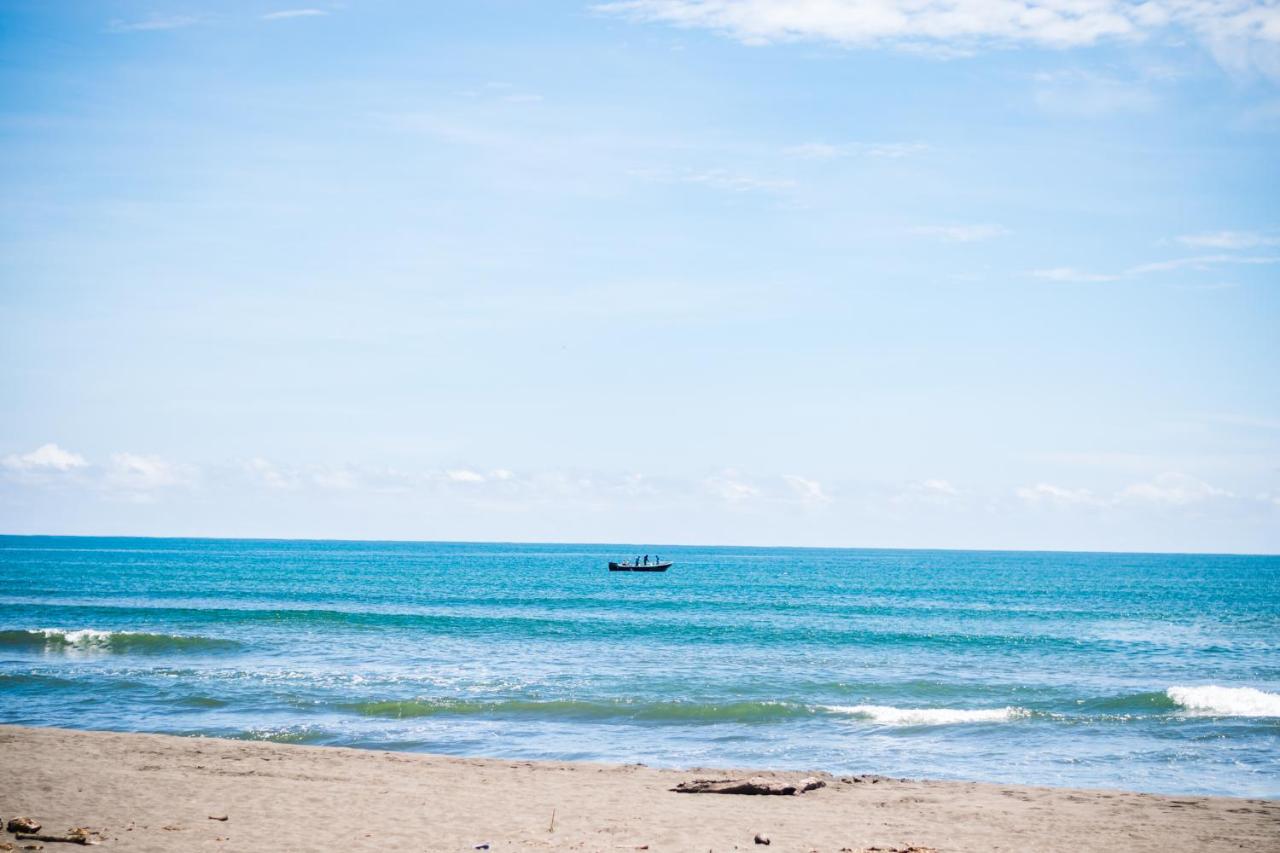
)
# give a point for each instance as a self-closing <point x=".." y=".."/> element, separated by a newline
<point x="891" y="273"/>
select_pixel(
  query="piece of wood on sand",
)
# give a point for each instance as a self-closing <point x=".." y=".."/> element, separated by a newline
<point x="756" y="785"/>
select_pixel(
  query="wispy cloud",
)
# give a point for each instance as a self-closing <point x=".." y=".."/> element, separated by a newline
<point x="285" y="14"/>
<point x="931" y="491"/>
<point x="808" y="491"/>
<point x="1197" y="262"/>
<point x="170" y="22"/>
<point x="1073" y="274"/>
<point x="137" y="476"/>
<point x="1231" y="239"/>
<point x="962" y="233"/>
<point x="1042" y="493"/>
<point x="271" y="475"/>
<point x="723" y="179"/>
<point x="729" y="486"/>
<point x="719" y="179"/>
<point x="1173" y="489"/>
<point x="1168" y="489"/>
<point x="1085" y="94"/>
<point x="827" y="151"/>
<point x="1243" y="34"/>
<point x="1201" y="262"/>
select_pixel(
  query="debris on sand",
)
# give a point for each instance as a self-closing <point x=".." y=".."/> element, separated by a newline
<point x="80" y="835"/>
<point x="761" y="838"/>
<point x="23" y="824"/>
<point x="756" y="785"/>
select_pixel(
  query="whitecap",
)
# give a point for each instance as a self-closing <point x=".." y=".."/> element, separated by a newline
<point x="82" y="637"/>
<point x="890" y="715"/>
<point x="1211" y="700"/>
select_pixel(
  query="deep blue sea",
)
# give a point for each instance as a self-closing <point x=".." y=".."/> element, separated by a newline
<point x="1143" y="671"/>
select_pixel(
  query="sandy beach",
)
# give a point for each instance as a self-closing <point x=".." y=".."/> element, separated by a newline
<point x="161" y="793"/>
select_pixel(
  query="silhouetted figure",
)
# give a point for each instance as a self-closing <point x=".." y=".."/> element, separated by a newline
<point x="646" y="559"/>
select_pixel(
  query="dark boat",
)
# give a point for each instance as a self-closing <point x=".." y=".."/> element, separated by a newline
<point x="642" y="567"/>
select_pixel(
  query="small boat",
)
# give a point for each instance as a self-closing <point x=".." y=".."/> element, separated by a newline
<point x="639" y="567"/>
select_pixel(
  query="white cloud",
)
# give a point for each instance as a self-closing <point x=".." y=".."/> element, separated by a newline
<point x="809" y="491"/>
<point x="1046" y="493"/>
<point x="46" y="457"/>
<point x="285" y="14"/>
<point x="731" y="488"/>
<point x="1231" y="239"/>
<point x="464" y="475"/>
<point x="339" y="479"/>
<point x="139" y="477"/>
<point x="940" y="487"/>
<point x="962" y="233"/>
<point x="932" y="491"/>
<point x="1172" y="489"/>
<point x="270" y="474"/>
<point x="1241" y="34"/>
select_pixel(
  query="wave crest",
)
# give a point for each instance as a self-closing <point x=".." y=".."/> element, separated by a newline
<point x="892" y="716"/>
<point x="90" y="639"/>
<point x="1212" y="700"/>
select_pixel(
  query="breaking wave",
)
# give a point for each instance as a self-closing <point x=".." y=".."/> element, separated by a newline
<point x="892" y="716"/>
<point x="1212" y="700"/>
<point x="89" y="639"/>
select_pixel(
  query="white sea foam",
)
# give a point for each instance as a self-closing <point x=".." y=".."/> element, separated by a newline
<point x="1226" y="701"/>
<point x="82" y="637"/>
<point x="929" y="716"/>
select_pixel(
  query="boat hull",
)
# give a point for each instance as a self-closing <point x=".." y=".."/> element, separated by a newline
<point x="627" y="567"/>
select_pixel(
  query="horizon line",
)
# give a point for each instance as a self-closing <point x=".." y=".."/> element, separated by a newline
<point x="356" y="540"/>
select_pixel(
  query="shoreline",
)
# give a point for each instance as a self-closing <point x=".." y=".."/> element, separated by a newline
<point x="152" y="792"/>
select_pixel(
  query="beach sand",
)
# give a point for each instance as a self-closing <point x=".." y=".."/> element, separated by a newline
<point x="159" y="793"/>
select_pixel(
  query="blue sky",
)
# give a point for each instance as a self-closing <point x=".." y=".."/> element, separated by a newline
<point x="976" y="274"/>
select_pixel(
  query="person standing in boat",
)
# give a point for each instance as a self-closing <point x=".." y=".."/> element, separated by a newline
<point x="646" y="559"/>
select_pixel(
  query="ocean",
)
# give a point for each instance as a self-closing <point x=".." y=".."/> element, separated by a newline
<point x="1152" y="672"/>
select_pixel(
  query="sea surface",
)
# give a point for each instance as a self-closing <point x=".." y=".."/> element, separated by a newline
<point x="1151" y="672"/>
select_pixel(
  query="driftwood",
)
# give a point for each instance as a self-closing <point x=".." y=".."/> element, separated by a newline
<point x="23" y="824"/>
<point x="73" y="838"/>
<point x="756" y="785"/>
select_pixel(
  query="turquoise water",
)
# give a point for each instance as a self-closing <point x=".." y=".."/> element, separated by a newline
<point x="1152" y="672"/>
